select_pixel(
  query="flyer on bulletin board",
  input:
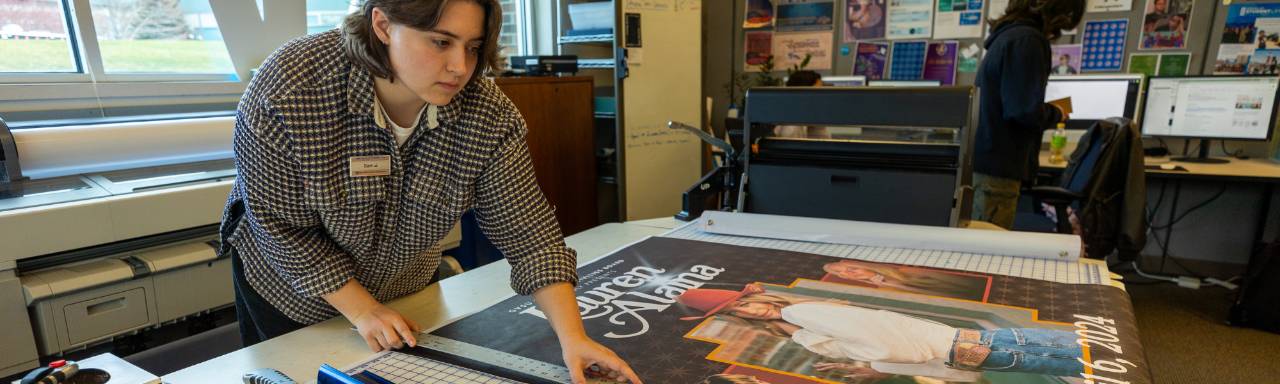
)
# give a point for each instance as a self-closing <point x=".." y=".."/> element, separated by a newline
<point x="940" y="62"/>
<point x="683" y="311"/>
<point x="907" y="62"/>
<point x="759" y="46"/>
<point x="969" y="58"/>
<point x="1144" y="63"/>
<point x="958" y="19"/>
<point x="759" y="14"/>
<point x="910" y="19"/>
<point x="864" y="20"/>
<point x="871" y="60"/>
<point x="790" y="49"/>
<point x="805" y="15"/>
<point x="1249" y="28"/>
<point x="1166" y="24"/>
<point x="1173" y="64"/>
<point x="1104" y="42"/>
<point x="1066" y="59"/>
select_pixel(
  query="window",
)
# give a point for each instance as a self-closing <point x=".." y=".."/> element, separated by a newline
<point x="512" y="39"/>
<point x="34" y="37"/>
<point x="159" y="36"/>
<point x="323" y="15"/>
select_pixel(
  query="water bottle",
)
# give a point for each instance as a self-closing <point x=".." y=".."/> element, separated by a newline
<point x="1057" y="144"/>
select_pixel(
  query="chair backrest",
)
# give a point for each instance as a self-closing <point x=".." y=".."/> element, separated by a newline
<point x="1083" y="168"/>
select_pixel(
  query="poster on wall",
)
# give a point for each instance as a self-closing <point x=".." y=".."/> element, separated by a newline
<point x="996" y="8"/>
<point x="1173" y="64"/>
<point x="907" y="61"/>
<point x="1104" y="42"/>
<point x="871" y="60"/>
<point x="1108" y="5"/>
<point x="682" y="311"/>
<point x="1144" y="63"/>
<point x="864" y="20"/>
<point x="1249" y="28"/>
<point x="759" y="46"/>
<point x="790" y="49"/>
<point x="1066" y="59"/>
<point x="805" y="15"/>
<point x="1166" y="24"/>
<point x="969" y="58"/>
<point x="958" y="19"/>
<point x="759" y="14"/>
<point x="910" y="19"/>
<point x="940" y="62"/>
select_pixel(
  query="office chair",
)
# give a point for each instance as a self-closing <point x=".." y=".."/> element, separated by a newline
<point x="1072" y="188"/>
<point x="1105" y="184"/>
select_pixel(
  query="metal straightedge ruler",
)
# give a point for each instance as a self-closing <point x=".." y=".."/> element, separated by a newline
<point x="443" y="360"/>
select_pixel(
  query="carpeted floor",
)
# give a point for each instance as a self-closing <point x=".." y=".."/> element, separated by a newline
<point x="1187" y="340"/>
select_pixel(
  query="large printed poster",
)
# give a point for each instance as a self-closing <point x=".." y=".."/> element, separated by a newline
<point x="759" y="14"/>
<point x="759" y="47"/>
<point x="805" y="15"/>
<point x="940" y="62"/>
<point x="871" y="60"/>
<point x="958" y="19"/>
<point x="910" y="19"/>
<point x="907" y="62"/>
<point x="1104" y="42"/>
<point x="1250" y="39"/>
<point x="790" y="48"/>
<point x="864" y="19"/>
<point x="1166" y="24"/>
<point x="682" y="311"/>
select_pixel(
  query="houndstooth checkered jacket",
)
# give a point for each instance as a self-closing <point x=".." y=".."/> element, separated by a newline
<point x="308" y="226"/>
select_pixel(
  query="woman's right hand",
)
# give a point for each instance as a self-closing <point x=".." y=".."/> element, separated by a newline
<point x="384" y="328"/>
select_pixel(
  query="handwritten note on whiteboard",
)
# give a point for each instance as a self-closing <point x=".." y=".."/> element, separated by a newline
<point x="655" y="136"/>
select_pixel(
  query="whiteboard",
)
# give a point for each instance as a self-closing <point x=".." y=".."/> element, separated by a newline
<point x="664" y="83"/>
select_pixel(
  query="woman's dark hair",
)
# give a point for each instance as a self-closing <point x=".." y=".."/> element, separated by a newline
<point x="1052" y="16"/>
<point x="803" y="79"/>
<point x="362" y="46"/>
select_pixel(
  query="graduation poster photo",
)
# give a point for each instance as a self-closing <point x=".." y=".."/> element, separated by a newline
<point x="683" y="311"/>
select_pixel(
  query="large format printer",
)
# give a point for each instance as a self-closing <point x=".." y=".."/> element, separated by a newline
<point x="109" y="229"/>
<point x="892" y="155"/>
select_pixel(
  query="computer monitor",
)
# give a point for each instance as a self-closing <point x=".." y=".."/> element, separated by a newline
<point x="1210" y="107"/>
<point x="844" y="81"/>
<point x="904" y="83"/>
<point x="1096" y="98"/>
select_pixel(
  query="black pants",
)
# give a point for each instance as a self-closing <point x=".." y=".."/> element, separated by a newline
<point x="259" y="320"/>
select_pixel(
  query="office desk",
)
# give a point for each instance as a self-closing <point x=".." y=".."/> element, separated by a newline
<point x="1251" y="170"/>
<point x="300" y="353"/>
<point x="1254" y="170"/>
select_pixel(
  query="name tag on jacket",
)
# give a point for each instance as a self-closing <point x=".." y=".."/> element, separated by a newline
<point x="362" y="166"/>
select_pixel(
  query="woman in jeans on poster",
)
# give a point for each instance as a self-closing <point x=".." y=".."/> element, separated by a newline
<point x="893" y="343"/>
<point x="1012" y="114"/>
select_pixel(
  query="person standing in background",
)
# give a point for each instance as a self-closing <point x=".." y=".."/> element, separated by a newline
<point x="1012" y="116"/>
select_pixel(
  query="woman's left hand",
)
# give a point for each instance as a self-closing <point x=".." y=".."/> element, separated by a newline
<point x="581" y="353"/>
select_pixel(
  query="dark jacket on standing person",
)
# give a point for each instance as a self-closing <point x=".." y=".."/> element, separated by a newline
<point x="1013" y="116"/>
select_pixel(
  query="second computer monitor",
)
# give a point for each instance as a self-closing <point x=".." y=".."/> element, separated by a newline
<point x="1095" y="98"/>
<point x="1211" y="107"/>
